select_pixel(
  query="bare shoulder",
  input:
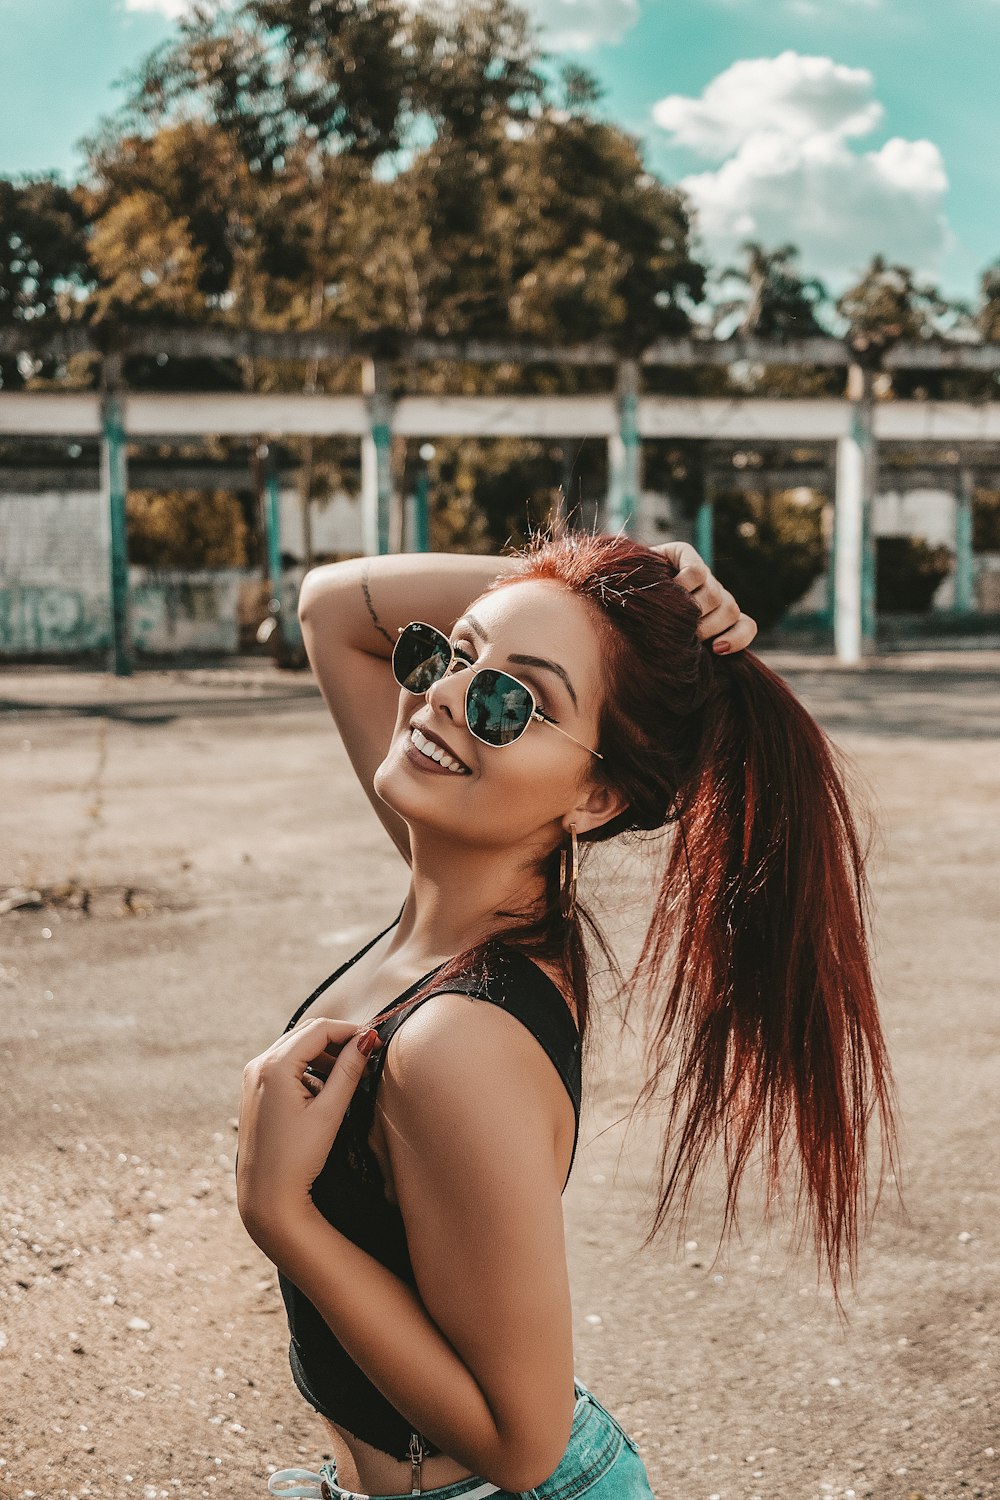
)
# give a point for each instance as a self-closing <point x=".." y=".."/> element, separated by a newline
<point x="457" y="1047"/>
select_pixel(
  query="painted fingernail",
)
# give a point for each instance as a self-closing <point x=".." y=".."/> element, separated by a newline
<point x="721" y="646"/>
<point x="367" y="1041"/>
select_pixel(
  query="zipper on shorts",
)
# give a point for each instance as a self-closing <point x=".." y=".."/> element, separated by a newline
<point x="416" y="1459"/>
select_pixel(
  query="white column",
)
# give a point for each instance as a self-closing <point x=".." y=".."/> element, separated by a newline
<point x="625" y="453"/>
<point x="849" y="527"/>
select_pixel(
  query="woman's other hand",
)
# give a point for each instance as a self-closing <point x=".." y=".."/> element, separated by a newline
<point x="722" y="622"/>
<point x="288" y="1120"/>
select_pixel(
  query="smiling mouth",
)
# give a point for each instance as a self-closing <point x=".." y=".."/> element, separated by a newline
<point x="433" y="751"/>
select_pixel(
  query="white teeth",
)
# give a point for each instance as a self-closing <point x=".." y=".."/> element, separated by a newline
<point x="434" y="752"/>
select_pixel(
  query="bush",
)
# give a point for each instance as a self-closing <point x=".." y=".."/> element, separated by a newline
<point x="768" y="550"/>
<point x="908" y="571"/>
<point x="186" y="529"/>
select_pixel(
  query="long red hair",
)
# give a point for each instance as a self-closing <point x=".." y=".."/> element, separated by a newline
<point x="756" y="961"/>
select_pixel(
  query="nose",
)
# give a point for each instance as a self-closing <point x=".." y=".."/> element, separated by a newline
<point x="447" y="696"/>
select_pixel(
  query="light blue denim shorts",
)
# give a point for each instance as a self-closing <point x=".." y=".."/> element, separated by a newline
<point x="600" y="1461"/>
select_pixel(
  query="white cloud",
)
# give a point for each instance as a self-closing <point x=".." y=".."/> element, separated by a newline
<point x="172" y="8"/>
<point x="792" y="96"/>
<point x="568" y="25"/>
<point x="579" y="25"/>
<point x="784" y="131"/>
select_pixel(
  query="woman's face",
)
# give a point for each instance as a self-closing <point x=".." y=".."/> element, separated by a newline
<point x="531" y="789"/>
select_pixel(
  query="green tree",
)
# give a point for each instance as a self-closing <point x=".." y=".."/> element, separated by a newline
<point x="775" y="301"/>
<point x="908" y="570"/>
<point x="45" y="268"/>
<point x="186" y="529"/>
<point x="768" y="549"/>
<point x="887" y="305"/>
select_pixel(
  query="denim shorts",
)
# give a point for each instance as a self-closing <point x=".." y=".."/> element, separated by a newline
<point x="600" y="1461"/>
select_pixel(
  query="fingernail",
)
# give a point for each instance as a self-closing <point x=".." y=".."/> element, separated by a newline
<point x="720" y="646"/>
<point x="367" y="1041"/>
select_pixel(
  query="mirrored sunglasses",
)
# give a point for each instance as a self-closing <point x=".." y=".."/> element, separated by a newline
<point x="498" y="707"/>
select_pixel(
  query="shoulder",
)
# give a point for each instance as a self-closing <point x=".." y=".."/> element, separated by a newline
<point x="467" y="1071"/>
<point x="457" y="1053"/>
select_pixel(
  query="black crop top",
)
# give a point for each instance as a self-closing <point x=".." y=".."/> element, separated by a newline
<point x="350" y="1192"/>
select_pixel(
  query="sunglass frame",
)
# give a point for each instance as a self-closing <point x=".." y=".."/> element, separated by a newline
<point x="535" y="713"/>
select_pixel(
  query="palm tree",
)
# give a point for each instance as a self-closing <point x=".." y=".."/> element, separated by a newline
<point x="778" y="303"/>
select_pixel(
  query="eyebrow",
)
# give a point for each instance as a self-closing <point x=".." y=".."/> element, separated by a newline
<point x="526" y="661"/>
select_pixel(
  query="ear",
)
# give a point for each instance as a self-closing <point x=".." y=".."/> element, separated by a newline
<point x="599" y="805"/>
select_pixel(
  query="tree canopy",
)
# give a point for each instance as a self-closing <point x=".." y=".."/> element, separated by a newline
<point x="371" y="166"/>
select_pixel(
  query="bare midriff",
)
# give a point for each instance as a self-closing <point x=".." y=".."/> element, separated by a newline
<point x="371" y="1472"/>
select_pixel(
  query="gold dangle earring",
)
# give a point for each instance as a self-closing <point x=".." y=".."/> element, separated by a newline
<point x="568" y="866"/>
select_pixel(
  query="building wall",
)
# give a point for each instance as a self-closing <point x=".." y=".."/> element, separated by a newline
<point x="336" y="525"/>
<point x="54" y="550"/>
<point x="55" y="592"/>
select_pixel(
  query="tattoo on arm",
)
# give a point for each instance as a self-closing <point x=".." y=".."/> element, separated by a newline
<point x="371" y="609"/>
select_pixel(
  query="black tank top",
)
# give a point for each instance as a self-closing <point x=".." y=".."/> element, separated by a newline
<point x="350" y="1191"/>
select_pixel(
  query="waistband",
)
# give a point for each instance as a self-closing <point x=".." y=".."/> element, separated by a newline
<point x="305" y="1484"/>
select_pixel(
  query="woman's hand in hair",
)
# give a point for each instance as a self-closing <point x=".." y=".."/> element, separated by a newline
<point x="722" y="621"/>
<point x="293" y="1102"/>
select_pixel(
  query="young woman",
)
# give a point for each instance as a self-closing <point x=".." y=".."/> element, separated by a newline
<point x="500" y="714"/>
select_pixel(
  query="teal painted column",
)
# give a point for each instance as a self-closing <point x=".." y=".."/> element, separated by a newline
<point x="964" y="560"/>
<point x="625" y="453"/>
<point x="289" y="630"/>
<point x="704" y="529"/>
<point x="272" y="518"/>
<point x="831" y="565"/>
<point x="114" y="487"/>
<point x="273" y="514"/>
<point x="422" y="502"/>
<point x="376" y="459"/>
<point x="868" y="571"/>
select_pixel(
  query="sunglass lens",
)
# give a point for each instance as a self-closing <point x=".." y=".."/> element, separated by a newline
<point x="420" y="658"/>
<point x="498" y="707"/>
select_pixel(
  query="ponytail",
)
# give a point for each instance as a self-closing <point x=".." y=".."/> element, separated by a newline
<point x="758" y="952"/>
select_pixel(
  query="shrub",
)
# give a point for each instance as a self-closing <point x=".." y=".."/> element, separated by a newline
<point x="768" y="550"/>
<point x="907" y="573"/>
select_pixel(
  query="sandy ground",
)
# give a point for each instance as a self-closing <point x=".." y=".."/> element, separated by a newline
<point x="205" y="860"/>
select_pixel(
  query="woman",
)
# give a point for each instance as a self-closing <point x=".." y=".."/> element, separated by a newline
<point x="411" y="1202"/>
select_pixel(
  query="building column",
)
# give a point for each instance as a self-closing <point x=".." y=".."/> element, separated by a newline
<point x="964" y="561"/>
<point x="114" y="488"/>
<point x="854" y="560"/>
<point x="376" y="459"/>
<point x="625" y="453"/>
<point x="704" y="523"/>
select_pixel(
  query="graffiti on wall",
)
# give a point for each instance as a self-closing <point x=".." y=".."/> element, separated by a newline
<point x="39" y="618"/>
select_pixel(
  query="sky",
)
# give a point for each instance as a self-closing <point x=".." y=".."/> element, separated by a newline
<point x="844" y="127"/>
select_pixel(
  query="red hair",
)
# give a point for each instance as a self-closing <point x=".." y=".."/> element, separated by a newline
<point x="756" y="961"/>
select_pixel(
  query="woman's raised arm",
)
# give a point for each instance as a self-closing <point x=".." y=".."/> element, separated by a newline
<point x="350" y="613"/>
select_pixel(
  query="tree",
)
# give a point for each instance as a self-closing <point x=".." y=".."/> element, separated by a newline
<point x="987" y="318"/>
<point x="45" y="269"/>
<point x="186" y="529"/>
<point x="887" y="305"/>
<point x="778" y="303"/>
<point x="908" y="570"/>
<point x="768" y="549"/>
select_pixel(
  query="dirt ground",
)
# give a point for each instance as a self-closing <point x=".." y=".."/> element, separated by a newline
<point x="204" y="859"/>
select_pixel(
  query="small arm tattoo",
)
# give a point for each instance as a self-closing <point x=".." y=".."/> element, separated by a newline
<point x="371" y="609"/>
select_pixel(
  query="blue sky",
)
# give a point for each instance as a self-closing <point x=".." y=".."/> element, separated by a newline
<point x="844" y="126"/>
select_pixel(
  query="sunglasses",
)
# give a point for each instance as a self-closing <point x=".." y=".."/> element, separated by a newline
<point x="498" y="707"/>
